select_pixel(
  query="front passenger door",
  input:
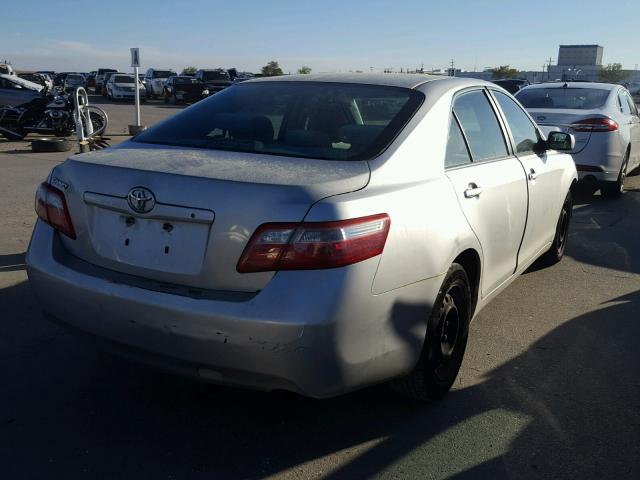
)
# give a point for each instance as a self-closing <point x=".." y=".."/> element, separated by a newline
<point x="544" y="178"/>
<point x="490" y="185"/>
<point x="634" y="159"/>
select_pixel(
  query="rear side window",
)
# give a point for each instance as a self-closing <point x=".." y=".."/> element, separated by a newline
<point x="524" y="132"/>
<point x="480" y="126"/>
<point x="563" y="98"/>
<point x="457" y="153"/>
<point x="330" y="121"/>
<point x="622" y="104"/>
<point x="632" y="105"/>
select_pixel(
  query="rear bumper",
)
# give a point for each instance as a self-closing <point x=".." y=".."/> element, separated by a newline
<point x="319" y="333"/>
<point x="128" y="95"/>
<point x="601" y="159"/>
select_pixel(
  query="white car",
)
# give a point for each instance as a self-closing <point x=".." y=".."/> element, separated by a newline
<point x="120" y="86"/>
<point x="313" y="233"/>
<point x="100" y="78"/>
<point x="154" y="81"/>
<point x="604" y="120"/>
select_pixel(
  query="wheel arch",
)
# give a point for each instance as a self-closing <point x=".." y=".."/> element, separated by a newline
<point x="469" y="259"/>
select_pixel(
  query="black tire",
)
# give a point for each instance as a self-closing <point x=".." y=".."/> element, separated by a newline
<point x="615" y="189"/>
<point x="174" y="99"/>
<point x="441" y="357"/>
<point x="559" y="245"/>
<point x="166" y="97"/>
<point x="50" y="145"/>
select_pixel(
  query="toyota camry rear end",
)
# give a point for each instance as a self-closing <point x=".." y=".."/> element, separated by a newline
<point x="204" y="246"/>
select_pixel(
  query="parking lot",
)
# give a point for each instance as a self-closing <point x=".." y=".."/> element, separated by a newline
<point x="549" y="387"/>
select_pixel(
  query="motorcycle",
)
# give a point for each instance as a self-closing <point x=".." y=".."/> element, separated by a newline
<point x="52" y="113"/>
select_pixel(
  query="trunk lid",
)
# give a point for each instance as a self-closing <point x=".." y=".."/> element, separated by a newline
<point x="561" y="120"/>
<point x="207" y="205"/>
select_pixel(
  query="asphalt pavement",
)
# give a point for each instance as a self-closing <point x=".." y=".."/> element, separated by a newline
<point x="549" y="388"/>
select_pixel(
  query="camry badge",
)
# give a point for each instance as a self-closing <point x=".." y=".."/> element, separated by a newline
<point x="541" y="117"/>
<point x="141" y="199"/>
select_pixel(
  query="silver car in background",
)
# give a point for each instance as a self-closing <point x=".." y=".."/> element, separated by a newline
<point x="604" y="120"/>
<point x="312" y="233"/>
<point x="122" y="86"/>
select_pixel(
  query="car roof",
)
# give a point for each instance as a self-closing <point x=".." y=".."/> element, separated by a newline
<point x="602" y="86"/>
<point x="405" y="80"/>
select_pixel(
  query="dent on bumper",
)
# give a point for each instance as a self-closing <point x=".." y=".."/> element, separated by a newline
<point x="318" y="333"/>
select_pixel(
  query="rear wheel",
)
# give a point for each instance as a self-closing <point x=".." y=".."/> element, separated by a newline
<point x="615" y="189"/>
<point x="445" y="341"/>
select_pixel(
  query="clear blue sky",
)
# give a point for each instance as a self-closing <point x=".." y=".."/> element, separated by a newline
<point x="328" y="35"/>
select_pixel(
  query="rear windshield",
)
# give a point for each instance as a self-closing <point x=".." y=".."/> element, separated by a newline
<point x="563" y="98"/>
<point x="330" y="121"/>
<point x="123" y="79"/>
<point x="216" y="76"/>
<point x="162" y="73"/>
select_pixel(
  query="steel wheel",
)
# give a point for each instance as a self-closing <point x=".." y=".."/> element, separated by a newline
<point x="616" y="189"/>
<point x="559" y="245"/>
<point x="445" y="342"/>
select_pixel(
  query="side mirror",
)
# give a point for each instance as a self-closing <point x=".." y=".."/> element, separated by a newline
<point x="561" y="141"/>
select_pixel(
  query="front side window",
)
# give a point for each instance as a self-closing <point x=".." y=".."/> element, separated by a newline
<point x="480" y="126"/>
<point x="525" y="134"/>
<point x="331" y="121"/>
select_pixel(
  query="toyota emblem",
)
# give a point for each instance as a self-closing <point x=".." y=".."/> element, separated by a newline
<point x="141" y="199"/>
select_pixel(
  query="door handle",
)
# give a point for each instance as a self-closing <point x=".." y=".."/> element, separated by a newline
<point x="473" y="191"/>
<point x="532" y="175"/>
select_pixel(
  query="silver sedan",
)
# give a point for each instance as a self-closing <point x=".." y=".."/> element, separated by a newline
<point x="605" y="121"/>
<point x="313" y="233"/>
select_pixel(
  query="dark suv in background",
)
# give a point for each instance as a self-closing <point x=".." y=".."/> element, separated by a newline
<point x="215" y="79"/>
<point x="512" y="85"/>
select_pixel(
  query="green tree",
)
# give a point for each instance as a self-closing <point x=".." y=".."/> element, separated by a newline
<point x="272" y="69"/>
<point x="304" y="70"/>
<point x="504" y="71"/>
<point x="189" y="71"/>
<point x="613" y="73"/>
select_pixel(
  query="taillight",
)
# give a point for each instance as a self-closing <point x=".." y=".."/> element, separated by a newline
<point x="51" y="206"/>
<point x="314" y="245"/>
<point x="595" y="125"/>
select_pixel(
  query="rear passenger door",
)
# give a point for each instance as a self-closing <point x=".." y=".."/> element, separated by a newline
<point x="544" y="177"/>
<point x="490" y="184"/>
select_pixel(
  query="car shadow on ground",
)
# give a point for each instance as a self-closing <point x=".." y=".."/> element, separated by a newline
<point x="558" y="410"/>
<point x="598" y="224"/>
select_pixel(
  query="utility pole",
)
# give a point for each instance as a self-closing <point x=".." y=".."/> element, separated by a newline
<point x="549" y="69"/>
